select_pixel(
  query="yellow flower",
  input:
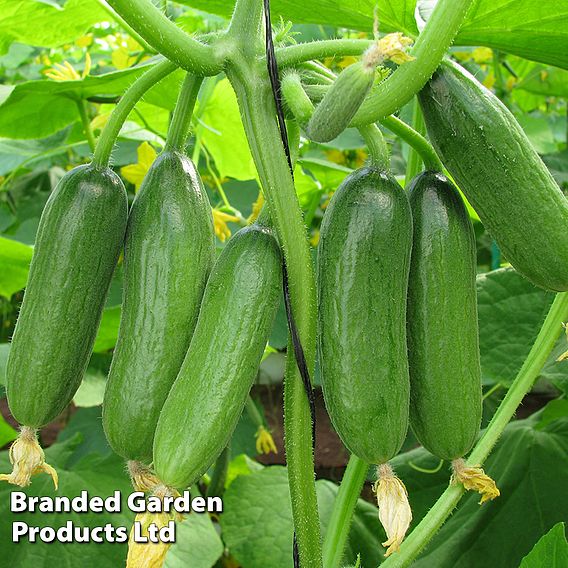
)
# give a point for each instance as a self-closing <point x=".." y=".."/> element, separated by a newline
<point x="67" y="72"/>
<point x="314" y="240"/>
<point x="121" y="58"/>
<point x="482" y="54"/>
<point x="220" y="221"/>
<point x="27" y="457"/>
<point x="475" y="479"/>
<point x="390" y="47"/>
<point x="256" y="207"/>
<point x="135" y="173"/>
<point x="99" y="122"/>
<point x="264" y="441"/>
<point x="489" y="80"/>
<point x="394" y="510"/>
<point x="84" y="41"/>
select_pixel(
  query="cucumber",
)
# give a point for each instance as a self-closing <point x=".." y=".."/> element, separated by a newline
<point x="168" y="255"/>
<point x="363" y="266"/>
<point x="443" y="343"/>
<point x="77" y="246"/>
<point x="340" y="103"/>
<point x="209" y="394"/>
<point x="491" y="159"/>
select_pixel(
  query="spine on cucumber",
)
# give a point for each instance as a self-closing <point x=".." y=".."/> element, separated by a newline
<point x="79" y="239"/>
<point x="169" y="253"/>
<point x="363" y="267"/>
<point x="494" y="164"/>
<point x="443" y="344"/>
<point x="209" y="394"/>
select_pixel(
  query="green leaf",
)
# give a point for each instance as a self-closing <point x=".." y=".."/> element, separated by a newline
<point x="551" y="551"/>
<point x="257" y="521"/>
<point x="99" y="476"/>
<point x="539" y="132"/>
<point x="36" y="109"/>
<point x="42" y="24"/>
<point x="548" y="81"/>
<point x="7" y="433"/>
<point x="534" y="30"/>
<point x="511" y="311"/>
<point x="92" y="389"/>
<point x="108" y="330"/>
<point x="394" y="15"/>
<point x="197" y="544"/>
<point x="530" y="467"/>
<point x="15" y="261"/>
<point x="223" y="135"/>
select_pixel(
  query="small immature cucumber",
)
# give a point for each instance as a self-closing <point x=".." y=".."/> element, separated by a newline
<point x="340" y="103"/>
<point x="209" y="394"/>
<point x="363" y="266"/>
<point x="494" y="164"/>
<point x="443" y="344"/>
<point x="78" y="243"/>
<point x="169" y="253"/>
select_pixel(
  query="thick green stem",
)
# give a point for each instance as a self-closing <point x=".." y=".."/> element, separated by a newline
<point x="179" y="127"/>
<point x="342" y="514"/>
<point x="429" y="49"/>
<point x="252" y="86"/>
<point x="292" y="55"/>
<point x="124" y="107"/>
<point x="416" y="140"/>
<point x="82" y="108"/>
<point x="131" y="32"/>
<point x="254" y="412"/>
<point x="164" y="36"/>
<point x="526" y="377"/>
<point x="376" y="145"/>
<point x="414" y="162"/>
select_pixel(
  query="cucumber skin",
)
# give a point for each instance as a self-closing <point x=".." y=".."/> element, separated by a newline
<point x="169" y="252"/>
<point x="339" y="105"/>
<point x="443" y="339"/>
<point x="209" y="394"/>
<point x="494" y="164"/>
<point x="363" y="266"/>
<point x="80" y="235"/>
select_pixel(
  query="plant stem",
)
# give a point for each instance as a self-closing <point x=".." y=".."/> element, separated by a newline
<point x="529" y="372"/>
<point x="342" y="513"/>
<point x="416" y="140"/>
<point x="296" y="98"/>
<point x="414" y="162"/>
<point x="82" y="108"/>
<point x="252" y="87"/>
<point x="429" y="49"/>
<point x="253" y="412"/>
<point x="292" y="55"/>
<point x="376" y="145"/>
<point x="126" y="104"/>
<point x="179" y="126"/>
<point x="131" y="32"/>
<point x="164" y="36"/>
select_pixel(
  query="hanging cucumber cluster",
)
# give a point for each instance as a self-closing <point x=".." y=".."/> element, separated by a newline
<point x="396" y="300"/>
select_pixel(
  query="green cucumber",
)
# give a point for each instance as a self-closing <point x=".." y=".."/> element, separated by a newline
<point x="363" y="267"/>
<point x="169" y="253"/>
<point x="494" y="164"/>
<point x="79" y="239"/>
<point x="209" y="394"/>
<point x="340" y="103"/>
<point x="443" y="343"/>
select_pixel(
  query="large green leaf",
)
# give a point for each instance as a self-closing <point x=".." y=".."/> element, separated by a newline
<point x="551" y="551"/>
<point x="35" y="109"/>
<point x="15" y="260"/>
<point x="99" y="475"/>
<point x="44" y="24"/>
<point x="530" y="467"/>
<point x="534" y="30"/>
<point x="394" y="15"/>
<point x="511" y="311"/>
<point x="257" y="521"/>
